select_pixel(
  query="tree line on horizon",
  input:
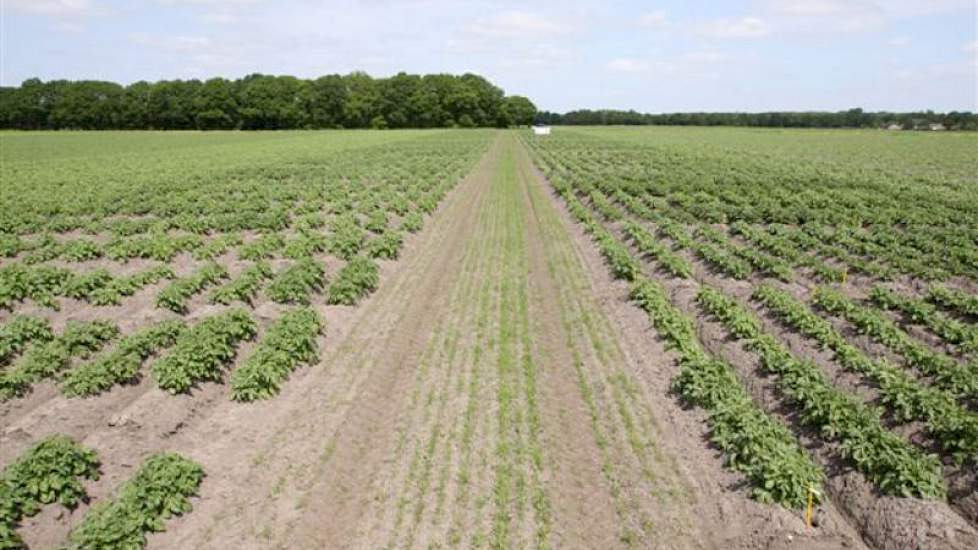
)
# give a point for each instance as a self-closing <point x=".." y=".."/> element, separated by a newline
<point x="264" y="102"/>
<point x="852" y="118"/>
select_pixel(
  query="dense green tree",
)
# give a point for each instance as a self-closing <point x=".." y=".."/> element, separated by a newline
<point x="273" y="102"/>
<point x="259" y="102"/>
<point x="852" y="118"/>
<point x="363" y="100"/>
<point x="326" y="97"/>
<point x="216" y="105"/>
<point x="518" y="110"/>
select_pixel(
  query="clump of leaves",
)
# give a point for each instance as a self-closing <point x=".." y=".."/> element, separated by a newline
<point x="40" y="283"/>
<point x="80" y="250"/>
<point x="376" y="221"/>
<point x="174" y="297"/>
<point x="347" y="237"/>
<point x="244" y="287"/>
<point x="289" y="342"/>
<point x="202" y="352"/>
<point x="120" y="287"/>
<point x="386" y="246"/>
<point x="49" y="359"/>
<point x="304" y="245"/>
<point x="358" y="278"/>
<point x="413" y="222"/>
<point x="295" y="283"/>
<point x="19" y="332"/>
<point x="122" y="364"/>
<point x="50" y="471"/>
<point x="159" y="490"/>
<point x="217" y="246"/>
<point x="264" y="247"/>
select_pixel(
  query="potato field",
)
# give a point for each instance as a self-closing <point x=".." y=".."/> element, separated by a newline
<point x="659" y="337"/>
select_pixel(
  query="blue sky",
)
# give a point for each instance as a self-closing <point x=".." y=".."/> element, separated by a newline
<point x="668" y="56"/>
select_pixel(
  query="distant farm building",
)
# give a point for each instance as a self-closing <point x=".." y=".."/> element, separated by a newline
<point x="936" y="127"/>
<point x="541" y="130"/>
<point x="894" y="127"/>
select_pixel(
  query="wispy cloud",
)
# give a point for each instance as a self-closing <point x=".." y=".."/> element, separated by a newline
<point x="56" y="8"/>
<point x="654" y="20"/>
<point x="517" y="24"/>
<point x="171" y="43"/>
<point x="742" y="27"/>
<point x="625" y="65"/>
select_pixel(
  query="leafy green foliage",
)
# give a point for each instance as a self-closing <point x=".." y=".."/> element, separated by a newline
<point x="347" y="237"/>
<point x="174" y="297"/>
<point x="947" y="373"/>
<point x="202" y="352"/>
<point x="413" y="222"/>
<point x="121" y="365"/>
<point x="893" y="464"/>
<point x="159" y="490"/>
<point x="622" y="265"/>
<point x="952" y="426"/>
<point x="20" y="331"/>
<point x="263" y="247"/>
<point x="244" y="287"/>
<point x="50" y="471"/>
<point x="154" y="246"/>
<point x="386" y="246"/>
<point x="647" y="243"/>
<point x="359" y="277"/>
<point x="49" y="359"/>
<point x="217" y="246"/>
<point x="295" y="283"/>
<point x="290" y="341"/>
<point x="951" y="330"/>
<point x="376" y="221"/>
<point x="753" y="443"/>
<point x="116" y="289"/>
<point x="41" y="284"/>
<point x="954" y="300"/>
<point x="80" y="250"/>
<point x="305" y="245"/>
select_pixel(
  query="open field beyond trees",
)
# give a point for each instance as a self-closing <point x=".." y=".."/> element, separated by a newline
<point x="657" y="337"/>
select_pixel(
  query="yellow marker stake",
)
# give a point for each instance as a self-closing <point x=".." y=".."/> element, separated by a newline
<point x="811" y="500"/>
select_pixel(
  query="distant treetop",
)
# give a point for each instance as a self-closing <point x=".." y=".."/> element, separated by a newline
<point x="264" y="102"/>
<point x="853" y="118"/>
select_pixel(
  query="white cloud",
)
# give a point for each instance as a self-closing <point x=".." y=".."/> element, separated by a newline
<point x="742" y="27"/>
<point x="219" y="18"/>
<point x="971" y="47"/>
<point x="899" y="41"/>
<point x="56" y="8"/>
<point x="68" y="26"/>
<point x="208" y="2"/>
<point x="654" y="20"/>
<point x="695" y="65"/>
<point x="184" y="44"/>
<point x="517" y="24"/>
<point x="818" y="16"/>
<point x="625" y="65"/>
